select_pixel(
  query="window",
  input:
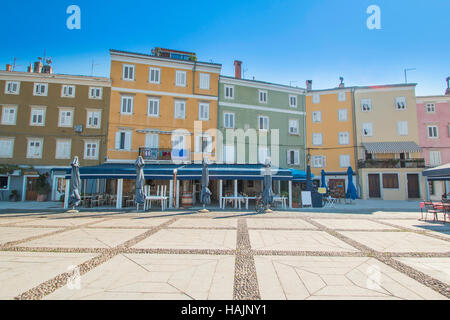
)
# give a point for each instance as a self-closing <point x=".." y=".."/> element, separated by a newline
<point x="127" y="105"/>
<point x="342" y="96"/>
<point x="128" y="72"/>
<point x="153" y="107"/>
<point x="154" y="75"/>
<point x="91" y="149"/>
<point x="317" y="139"/>
<point x="152" y="141"/>
<point x="68" y="91"/>
<point x="4" y="182"/>
<point x="229" y="153"/>
<point x="203" y="143"/>
<point x="263" y="123"/>
<point x="431" y="188"/>
<point x="180" y="109"/>
<point x="293" y="157"/>
<point x="400" y="103"/>
<point x="123" y="140"/>
<point x="262" y="96"/>
<point x="180" y="78"/>
<point x="344" y="160"/>
<point x="293" y="127"/>
<point x="203" y="111"/>
<point x="318" y="161"/>
<point x="367" y="129"/>
<point x="263" y="154"/>
<point x="6" y="147"/>
<point x="204" y="81"/>
<point x="316" y="116"/>
<point x="34" y="149"/>
<point x="63" y="148"/>
<point x="402" y="128"/>
<point x="65" y="118"/>
<point x="293" y="101"/>
<point x="40" y="89"/>
<point x="12" y="87"/>
<point x="37" y="117"/>
<point x="178" y="142"/>
<point x="435" y="158"/>
<point x="344" y="138"/>
<point x="95" y="93"/>
<point x="316" y="98"/>
<point x="430" y="107"/>
<point x="342" y="115"/>
<point x="94" y="119"/>
<point x="9" y="115"/>
<point x="366" y="105"/>
<point x="433" y="131"/>
<point x="390" y="180"/>
<point x="229" y="92"/>
<point x="228" y="120"/>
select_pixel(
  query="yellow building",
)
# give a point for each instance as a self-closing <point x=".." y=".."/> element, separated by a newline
<point x="156" y="103"/>
<point x="330" y="134"/>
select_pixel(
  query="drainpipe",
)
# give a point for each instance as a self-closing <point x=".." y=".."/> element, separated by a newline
<point x="193" y="74"/>
<point x="355" y="137"/>
<point x="304" y="129"/>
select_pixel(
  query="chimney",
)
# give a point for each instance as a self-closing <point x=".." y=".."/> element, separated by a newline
<point x="8" y="68"/>
<point x="47" y="69"/>
<point x="447" y="91"/>
<point x="38" y="67"/>
<point x="341" y="85"/>
<point x="237" y="69"/>
<point x="308" y="85"/>
<point x="30" y="68"/>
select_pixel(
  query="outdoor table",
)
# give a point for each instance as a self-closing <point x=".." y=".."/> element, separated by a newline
<point x="246" y="201"/>
<point x="283" y="201"/>
<point x="223" y="201"/>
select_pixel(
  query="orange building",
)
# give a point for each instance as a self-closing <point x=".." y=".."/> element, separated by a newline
<point x="162" y="106"/>
<point x="330" y="134"/>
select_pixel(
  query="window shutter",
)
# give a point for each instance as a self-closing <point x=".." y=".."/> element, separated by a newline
<point x="128" y="140"/>
<point x="117" y="144"/>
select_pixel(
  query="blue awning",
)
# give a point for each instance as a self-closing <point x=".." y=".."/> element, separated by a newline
<point x="299" y="175"/>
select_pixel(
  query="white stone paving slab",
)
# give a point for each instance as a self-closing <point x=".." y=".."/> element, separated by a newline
<point x="8" y="234"/>
<point x="353" y="224"/>
<point x="205" y="223"/>
<point x="58" y="222"/>
<point x="435" y="267"/>
<point x="279" y="224"/>
<point x="132" y="222"/>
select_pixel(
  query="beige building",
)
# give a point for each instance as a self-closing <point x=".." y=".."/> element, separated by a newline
<point x="389" y="157"/>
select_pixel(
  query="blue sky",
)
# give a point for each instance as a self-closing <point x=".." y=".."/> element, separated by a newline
<point x="278" y="41"/>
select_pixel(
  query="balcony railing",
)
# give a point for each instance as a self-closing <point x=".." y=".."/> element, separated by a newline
<point x="392" y="163"/>
<point x="156" y="154"/>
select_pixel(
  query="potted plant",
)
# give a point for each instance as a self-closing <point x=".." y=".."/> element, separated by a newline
<point x="14" y="196"/>
<point x="42" y="187"/>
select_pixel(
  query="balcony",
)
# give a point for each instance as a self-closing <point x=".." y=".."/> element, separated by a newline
<point x="156" y="154"/>
<point x="391" y="163"/>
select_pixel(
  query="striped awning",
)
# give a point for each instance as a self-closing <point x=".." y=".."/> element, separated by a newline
<point x="392" y="147"/>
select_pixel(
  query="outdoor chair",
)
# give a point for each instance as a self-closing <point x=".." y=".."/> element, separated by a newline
<point x="430" y="208"/>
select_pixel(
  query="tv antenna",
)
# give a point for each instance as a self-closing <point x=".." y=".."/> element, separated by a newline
<point x="92" y="67"/>
<point x="14" y="65"/>
<point x="244" y="70"/>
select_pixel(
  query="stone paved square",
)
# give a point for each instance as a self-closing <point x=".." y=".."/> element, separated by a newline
<point x="353" y="224"/>
<point x="131" y="222"/>
<point x="205" y="223"/>
<point x="190" y="239"/>
<point x="150" y="276"/>
<point x="296" y="240"/>
<point x="8" y="234"/>
<point x="420" y="225"/>
<point x="58" y="222"/>
<point x="262" y="223"/>
<point x="438" y="267"/>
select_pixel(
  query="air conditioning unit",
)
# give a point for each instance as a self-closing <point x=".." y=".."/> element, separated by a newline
<point x="79" y="128"/>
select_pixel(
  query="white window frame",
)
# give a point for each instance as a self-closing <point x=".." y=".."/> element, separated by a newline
<point x="9" y="107"/>
<point x="97" y="149"/>
<point x="204" y="81"/>
<point x="65" y="88"/>
<point x="89" y="113"/>
<point x="41" y="145"/>
<point x="58" y="154"/>
<point x="367" y="102"/>
<point x="401" y="126"/>
<point x="199" y="142"/>
<point x="17" y="83"/>
<point x="265" y="94"/>
<point x="259" y="123"/>
<point x="157" y="71"/>
<point x="156" y="102"/>
<point x="7" y="154"/>
<point x="364" y="127"/>
<point x="127" y="98"/>
<point x="432" y="136"/>
<point x="342" y="96"/>
<point x="430" y="105"/>
<point x="230" y="115"/>
<point x="129" y="67"/>
<point x="344" y="138"/>
<point x="293" y="97"/>
<point x="296" y="127"/>
<point x="316" y="116"/>
<point x="347" y="161"/>
<point x="127" y="142"/>
<point x="150" y="140"/>
<point x="94" y="90"/>
<point x="178" y="103"/>
<point x="44" y="111"/>
<point x="399" y="100"/>
<point x="315" y="137"/>
<point x="230" y="90"/>
<point x="40" y="93"/>
<point x="318" y="161"/>
<point x="206" y="106"/>
<point x="66" y="125"/>
<point x="434" y="162"/>
<point x="296" y="157"/>
<point x="179" y="75"/>
<point x="342" y="112"/>
<point x="315" y="98"/>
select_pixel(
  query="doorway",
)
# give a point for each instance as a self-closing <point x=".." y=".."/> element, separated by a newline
<point x="59" y="187"/>
<point x="413" y="186"/>
<point x="31" y="190"/>
<point x="374" y="186"/>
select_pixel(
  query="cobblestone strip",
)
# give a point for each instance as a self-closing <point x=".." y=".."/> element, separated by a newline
<point x="60" y="280"/>
<point x="308" y="253"/>
<point x="55" y="249"/>
<point x="215" y="252"/>
<point x="423" y="232"/>
<point x="245" y="279"/>
<point x="387" y="259"/>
